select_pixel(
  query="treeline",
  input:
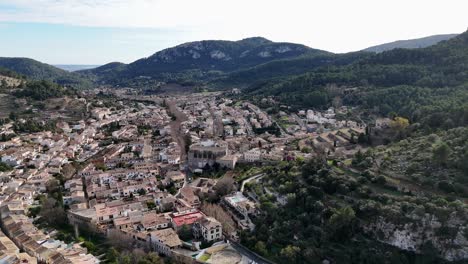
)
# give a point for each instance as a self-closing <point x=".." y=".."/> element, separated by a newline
<point x="9" y="73"/>
<point x="33" y="126"/>
<point x="432" y="108"/>
<point x="388" y="81"/>
<point x="35" y="70"/>
<point x="42" y="90"/>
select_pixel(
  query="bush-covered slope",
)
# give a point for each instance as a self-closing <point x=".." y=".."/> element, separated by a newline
<point x="35" y="70"/>
<point x="316" y="211"/>
<point x="436" y="67"/>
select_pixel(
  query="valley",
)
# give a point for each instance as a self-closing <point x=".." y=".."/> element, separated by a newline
<point x="248" y="151"/>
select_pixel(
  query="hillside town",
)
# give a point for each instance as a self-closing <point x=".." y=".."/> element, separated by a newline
<point x="160" y="173"/>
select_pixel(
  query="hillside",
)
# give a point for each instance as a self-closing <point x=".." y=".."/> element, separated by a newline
<point x="6" y="81"/>
<point x="200" y="59"/>
<point x="9" y="78"/>
<point x="36" y="70"/>
<point x="288" y="67"/>
<point x="411" y="43"/>
<point x="383" y="80"/>
<point x="364" y="212"/>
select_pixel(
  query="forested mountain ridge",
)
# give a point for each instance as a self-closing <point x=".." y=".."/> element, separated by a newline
<point x="35" y="70"/>
<point x="226" y="63"/>
<point x="411" y="43"/>
<point x="197" y="60"/>
<point x="288" y="67"/>
<point x="438" y="66"/>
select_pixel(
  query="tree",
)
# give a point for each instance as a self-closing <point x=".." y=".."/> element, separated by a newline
<point x="151" y="205"/>
<point x="112" y="255"/>
<point x="90" y="246"/>
<point x="441" y="152"/>
<point x="342" y="223"/>
<point x="142" y="191"/>
<point x="185" y="233"/>
<point x="399" y="124"/>
<point x="224" y="186"/>
<point x="216" y="211"/>
<point x="151" y="258"/>
<point x="13" y="116"/>
<point x="52" y="213"/>
<point x="290" y="253"/>
<point x="118" y="240"/>
<point x="3" y="84"/>
<point x="5" y="167"/>
<point x="261" y="248"/>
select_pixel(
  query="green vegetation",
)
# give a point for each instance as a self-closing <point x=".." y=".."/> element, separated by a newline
<point x="205" y="257"/>
<point x="42" y="90"/>
<point x="136" y="256"/>
<point x="427" y="86"/>
<point x="35" y="70"/>
<point x="185" y="233"/>
<point x="32" y="126"/>
<point x="10" y="73"/>
<point x="5" y="167"/>
<point x="436" y="161"/>
<point x="330" y="215"/>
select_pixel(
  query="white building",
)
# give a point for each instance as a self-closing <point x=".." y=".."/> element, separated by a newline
<point x="208" y="228"/>
<point x="252" y="155"/>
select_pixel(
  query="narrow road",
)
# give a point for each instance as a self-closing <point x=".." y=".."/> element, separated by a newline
<point x="254" y="177"/>
<point x="178" y="136"/>
<point x="218" y="128"/>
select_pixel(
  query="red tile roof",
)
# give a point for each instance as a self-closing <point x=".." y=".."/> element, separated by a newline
<point x="186" y="218"/>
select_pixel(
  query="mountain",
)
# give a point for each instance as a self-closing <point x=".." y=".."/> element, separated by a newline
<point x="411" y="43"/>
<point x="427" y="85"/>
<point x="289" y="67"/>
<point x="75" y="67"/>
<point x="36" y="70"/>
<point x="201" y="59"/>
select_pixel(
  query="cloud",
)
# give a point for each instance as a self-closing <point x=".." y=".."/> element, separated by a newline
<point x="111" y="13"/>
<point x="335" y="25"/>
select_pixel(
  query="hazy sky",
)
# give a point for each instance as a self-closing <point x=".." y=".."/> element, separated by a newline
<point x="101" y="31"/>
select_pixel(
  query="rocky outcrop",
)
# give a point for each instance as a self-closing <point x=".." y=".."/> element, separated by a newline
<point x="417" y="234"/>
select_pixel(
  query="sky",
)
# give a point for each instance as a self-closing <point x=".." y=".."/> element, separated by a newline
<point x="102" y="31"/>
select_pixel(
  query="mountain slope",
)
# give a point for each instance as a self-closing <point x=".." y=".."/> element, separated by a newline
<point x="411" y="43"/>
<point x="428" y="85"/>
<point x="36" y="70"/>
<point x="444" y="64"/>
<point x="289" y="67"/>
<point x="202" y="58"/>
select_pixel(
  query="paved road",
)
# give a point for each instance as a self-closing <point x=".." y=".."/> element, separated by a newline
<point x="176" y="132"/>
<point x="178" y="136"/>
<point x="250" y="254"/>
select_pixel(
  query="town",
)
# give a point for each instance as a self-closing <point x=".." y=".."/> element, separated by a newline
<point x="163" y="173"/>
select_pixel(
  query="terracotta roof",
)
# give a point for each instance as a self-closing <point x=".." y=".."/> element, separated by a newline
<point x="168" y="237"/>
<point x="188" y="218"/>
